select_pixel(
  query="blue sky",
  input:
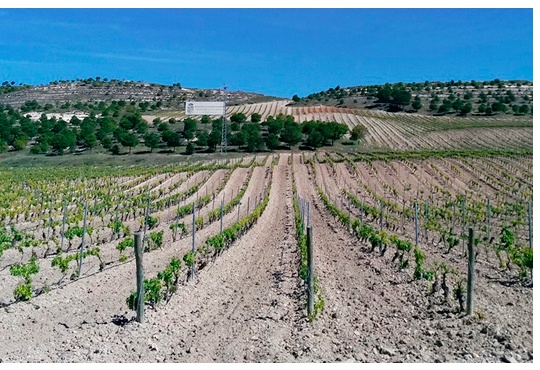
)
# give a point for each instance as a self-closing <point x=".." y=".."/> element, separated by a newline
<point x="278" y="52"/>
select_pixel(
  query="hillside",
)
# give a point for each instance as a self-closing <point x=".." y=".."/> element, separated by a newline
<point x="400" y="131"/>
<point x="57" y="93"/>
<point x="124" y="117"/>
<point x="431" y="98"/>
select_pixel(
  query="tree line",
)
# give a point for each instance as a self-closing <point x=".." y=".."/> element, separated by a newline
<point x="119" y="127"/>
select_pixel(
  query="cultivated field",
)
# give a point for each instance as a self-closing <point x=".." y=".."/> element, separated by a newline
<point x="383" y="295"/>
<point x="404" y="131"/>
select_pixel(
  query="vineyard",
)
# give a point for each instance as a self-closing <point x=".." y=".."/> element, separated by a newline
<point x="225" y="257"/>
<point x="404" y="131"/>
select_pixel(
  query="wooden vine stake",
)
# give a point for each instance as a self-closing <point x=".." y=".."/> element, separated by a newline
<point x="426" y="217"/>
<point x="63" y="227"/>
<point x="381" y="215"/>
<point x="221" y="219"/>
<point x="403" y="216"/>
<point x="177" y="220"/>
<point x="470" y="275"/>
<point x="238" y="215"/>
<point x="311" y="290"/>
<point x="530" y="223"/>
<point x="82" y="241"/>
<point x="488" y="229"/>
<point x="308" y="209"/>
<point x="116" y="216"/>
<point x="147" y="213"/>
<point x="140" y="277"/>
<point x="362" y="211"/>
<point x="303" y="202"/>
<point x="463" y="226"/>
<point x="193" y="242"/>
<point x="50" y="220"/>
<point x="416" y="222"/>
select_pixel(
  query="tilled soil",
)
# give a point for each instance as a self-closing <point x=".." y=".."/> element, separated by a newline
<point x="248" y="305"/>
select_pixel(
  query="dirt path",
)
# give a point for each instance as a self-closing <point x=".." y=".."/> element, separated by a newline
<point x="243" y="306"/>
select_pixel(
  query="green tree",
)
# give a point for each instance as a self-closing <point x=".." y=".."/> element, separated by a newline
<point x="20" y="142"/>
<point x="499" y="107"/>
<point x="254" y="140"/>
<point x="238" y="138"/>
<point x="417" y="103"/>
<point x="272" y="141"/>
<point x="190" y="148"/>
<point x="87" y="134"/>
<point x="141" y="127"/>
<point x="255" y="118"/>
<point x="163" y="126"/>
<point x="315" y="139"/>
<point x="214" y="138"/>
<point x="337" y="131"/>
<point x="205" y="120"/>
<point x="41" y="147"/>
<point x="457" y="105"/>
<point x="106" y="142"/>
<point x="238" y="118"/>
<point x="202" y="138"/>
<point x="384" y="93"/>
<point x="401" y="96"/>
<point x="481" y="108"/>
<point x="465" y="109"/>
<point x="129" y="140"/>
<point x="291" y="134"/>
<point x="151" y="140"/>
<point x="90" y="140"/>
<point x="443" y="109"/>
<point x="189" y="135"/>
<point x="296" y="98"/>
<point x="275" y="126"/>
<point x="190" y="124"/>
<point x="63" y="140"/>
<point x="483" y="97"/>
<point x="358" y="132"/>
<point x="59" y="126"/>
<point x="524" y="109"/>
<point x="171" y="138"/>
<point x="107" y="125"/>
<point x="511" y="96"/>
<point x="234" y="126"/>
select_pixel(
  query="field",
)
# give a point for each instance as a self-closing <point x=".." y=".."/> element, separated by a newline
<point x="382" y="296"/>
<point x="404" y="131"/>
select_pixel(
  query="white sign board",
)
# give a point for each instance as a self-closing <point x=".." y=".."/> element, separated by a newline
<point x="200" y="108"/>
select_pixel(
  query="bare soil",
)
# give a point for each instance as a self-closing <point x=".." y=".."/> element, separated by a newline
<point x="248" y="305"/>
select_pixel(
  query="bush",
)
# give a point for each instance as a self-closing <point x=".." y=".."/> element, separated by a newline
<point x="358" y="132"/>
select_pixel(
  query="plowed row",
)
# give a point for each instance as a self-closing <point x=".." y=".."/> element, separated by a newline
<point x="248" y="303"/>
